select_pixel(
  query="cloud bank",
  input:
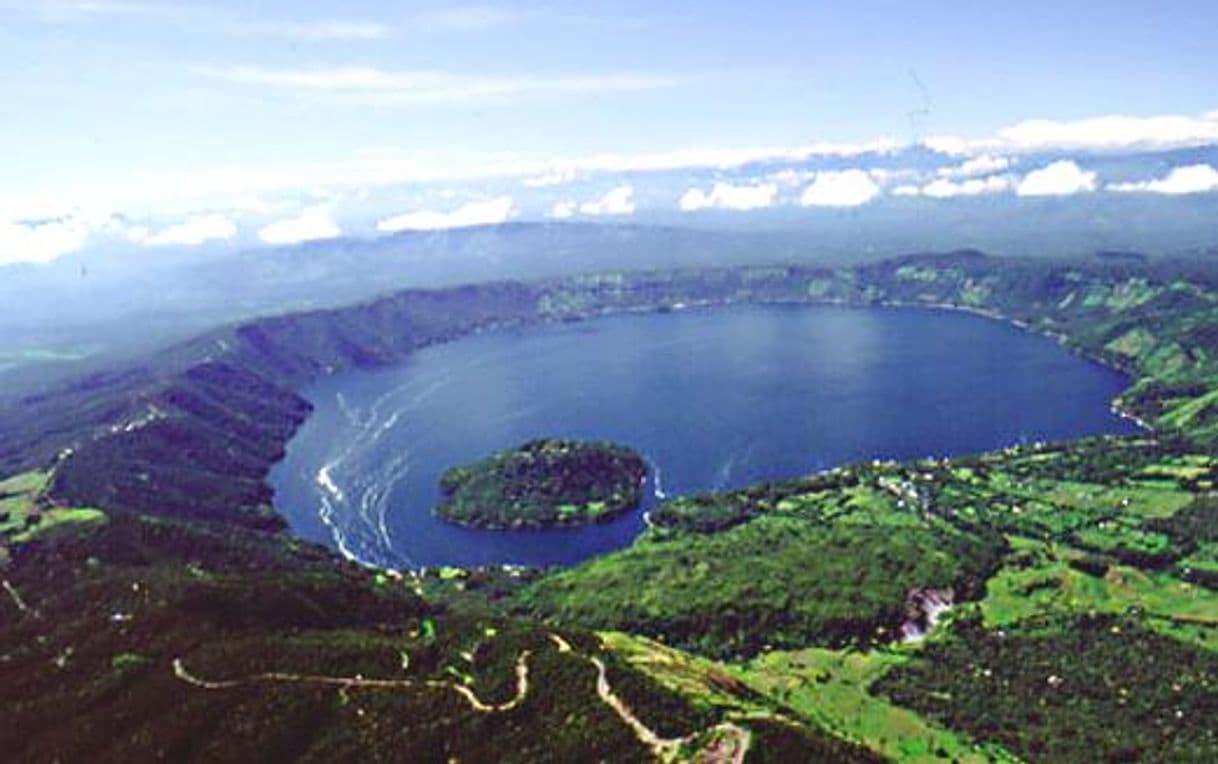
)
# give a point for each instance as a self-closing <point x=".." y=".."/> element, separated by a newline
<point x="189" y="233"/>
<point x="1193" y="179"/>
<point x="41" y="242"/>
<point x="1106" y="133"/>
<point x="729" y="197"/>
<point x="942" y="188"/>
<point x="562" y="210"/>
<point x="1062" y="178"/>
<point x="981" y="165"/>
<point x="616" y="201"/>
<point x="840" y="188"/>
<point x="311" y="225"/>
<point x="488" y="212"/>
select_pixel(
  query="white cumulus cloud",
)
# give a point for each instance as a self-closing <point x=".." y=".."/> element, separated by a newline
<point x="790" y="177"/>
<point x="942" y="188"/>
<point x="563" y="210"/>
<point x="981" y="165"/>
<point x="311" y="225"/>
<point x="1192" y="179"/>
<point x="616" y="201"/>
<point x="487" y="212"/>
<point x="840" y="188"/>
<point x="22" y="242"/>
<point x="1062" y="178"/>
<point x="729" y="197"/>
<point x="189" y="233"/>
<point x="39" y="228"/>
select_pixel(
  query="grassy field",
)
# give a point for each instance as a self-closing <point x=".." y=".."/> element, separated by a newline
<point x="830" y="688"/>
<point x="24" y="516"/>
<point x="1052" y="587"/>
<point x="25" y="484"/>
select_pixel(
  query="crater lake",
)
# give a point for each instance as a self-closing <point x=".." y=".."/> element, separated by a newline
<point x="714" y="399"/>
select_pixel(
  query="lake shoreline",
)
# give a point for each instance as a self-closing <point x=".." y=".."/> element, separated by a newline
<point x="528" y="535"/>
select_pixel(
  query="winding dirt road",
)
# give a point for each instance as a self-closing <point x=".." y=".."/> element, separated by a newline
<point x="356" y="682"/>
<point x="729" y="743"/>
<point x="16" y="596"/>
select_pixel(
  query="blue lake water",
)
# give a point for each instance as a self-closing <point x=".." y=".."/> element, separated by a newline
<point x="712" y="398"/>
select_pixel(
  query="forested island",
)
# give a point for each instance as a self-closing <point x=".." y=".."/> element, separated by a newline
<point x="544" y="483"/>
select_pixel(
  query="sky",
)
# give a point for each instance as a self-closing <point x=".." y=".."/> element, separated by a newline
<point x="149" y="109"/>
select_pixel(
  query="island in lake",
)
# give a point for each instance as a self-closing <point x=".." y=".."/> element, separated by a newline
<point x="544" y="483"/>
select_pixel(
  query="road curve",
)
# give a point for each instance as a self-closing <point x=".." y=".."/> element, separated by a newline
<point x="358" y="682"/>
<point x="729" y="742"/>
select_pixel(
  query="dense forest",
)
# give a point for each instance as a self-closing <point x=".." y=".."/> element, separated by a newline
<point x="544" y="483"/>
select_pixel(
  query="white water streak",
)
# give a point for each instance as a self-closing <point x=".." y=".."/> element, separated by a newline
<point x="658" y="486"/>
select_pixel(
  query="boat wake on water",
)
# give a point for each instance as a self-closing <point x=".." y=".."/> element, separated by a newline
<point x="658" y="486"/>
<point x="355" y="509"/>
